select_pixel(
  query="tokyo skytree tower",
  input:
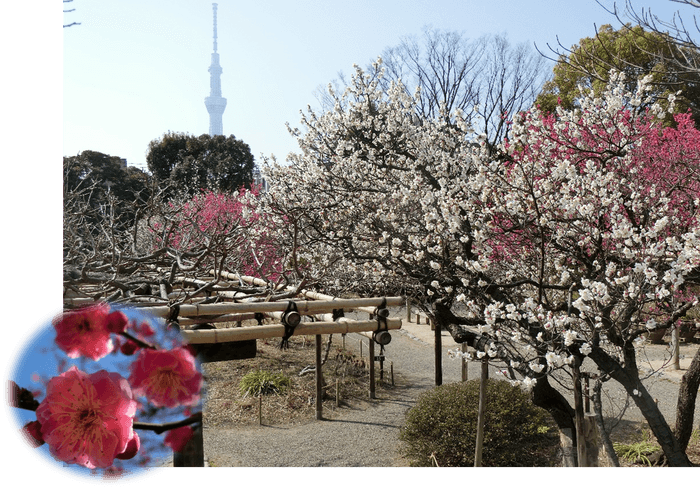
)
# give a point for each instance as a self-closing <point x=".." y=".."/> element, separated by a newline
<point x="216" y="104"/>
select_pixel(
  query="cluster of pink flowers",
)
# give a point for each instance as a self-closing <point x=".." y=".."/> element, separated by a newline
<point x="88" y="419"/>
<point x="231" y="225"/>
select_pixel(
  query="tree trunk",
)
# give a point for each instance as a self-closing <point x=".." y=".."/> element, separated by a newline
<point x="628" y="377"/>
<point x="547" y="397"/>
<point x="687" y="395"/>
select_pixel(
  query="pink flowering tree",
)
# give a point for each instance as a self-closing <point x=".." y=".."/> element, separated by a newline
<point x="122" y="393"/>
<point x="554" y="249"/>
<point x="229" y="232"/>
<point x="172" y="250"/>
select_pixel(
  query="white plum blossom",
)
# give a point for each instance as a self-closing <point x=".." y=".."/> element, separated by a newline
<point x="569" y="337"/>
<point x="529" y="383"/>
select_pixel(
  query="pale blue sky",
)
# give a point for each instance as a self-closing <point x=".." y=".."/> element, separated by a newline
<point x="136" y="69"/>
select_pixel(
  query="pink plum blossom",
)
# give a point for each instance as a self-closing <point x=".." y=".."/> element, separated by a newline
<point x="87" y="331"/>
<point x="166" y="378"/>
<point x="87" y="419"/>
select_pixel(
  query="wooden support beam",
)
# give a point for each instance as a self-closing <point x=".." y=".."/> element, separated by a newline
<point x="305" y="293"/>
<point x="305" y="307"/>
<point x="231" y="317"/>
<point x="341" y="326"/>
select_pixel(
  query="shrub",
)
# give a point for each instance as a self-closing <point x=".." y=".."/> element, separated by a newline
<point x="441" y="428"/>
<point x="261" y="382"/>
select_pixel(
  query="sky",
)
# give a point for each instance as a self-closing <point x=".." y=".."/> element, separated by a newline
<point x="134" y="70"/>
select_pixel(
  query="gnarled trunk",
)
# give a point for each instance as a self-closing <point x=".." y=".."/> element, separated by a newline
<point x="628" y="377"/>
<point x="687" y="395"/>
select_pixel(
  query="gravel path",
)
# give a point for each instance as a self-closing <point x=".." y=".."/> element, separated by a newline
<point x="367" y="435"/>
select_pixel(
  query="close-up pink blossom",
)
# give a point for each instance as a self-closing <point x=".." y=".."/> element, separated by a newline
<point x="87" y="419"/>
<point x="166" y="378"/>
<point x="87" y="331"/>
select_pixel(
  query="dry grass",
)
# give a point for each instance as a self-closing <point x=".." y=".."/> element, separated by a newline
<point x="225" y="404"/>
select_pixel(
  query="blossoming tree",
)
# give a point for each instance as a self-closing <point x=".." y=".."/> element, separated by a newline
<point x="171" y="244"/>
<point x="563" y="246"/>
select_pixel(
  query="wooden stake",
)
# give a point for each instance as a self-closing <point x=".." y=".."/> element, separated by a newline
<point x="319" y="380"/>
<point x="465" y="364"/>
<point x="337" y="393"/>
<point x="438" y="353"/>
<point x="260" y="410"/>
<point x="675" y="348"/>
<point x="371" y="370"/>
<point x="578" y="409"/>
<point x="480" y="415"/>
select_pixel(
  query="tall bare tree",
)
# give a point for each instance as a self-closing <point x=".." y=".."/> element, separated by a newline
<point x="685" y="58"/>
<point x="487" y="79"/>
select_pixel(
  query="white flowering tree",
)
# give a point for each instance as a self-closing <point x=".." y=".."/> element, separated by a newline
<point x="558" y="247"/>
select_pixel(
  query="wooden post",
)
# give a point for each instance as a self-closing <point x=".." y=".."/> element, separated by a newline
<point x="392" y="373"/>
<point x="480" y="416"/>
<point x="438" y="353"/>
<point x="337" y="393"/>
<point x="590" y="438"/>
<point x="192" y="456"/>
<point x="578" y="409"/>
<point x="675" y="348"/>
<point x="371" y="370"/>
<point x="319" y="380"/>
<point x="408" y="309"/>
<point x="465" y="364"/>
<point x="260" y="409"/>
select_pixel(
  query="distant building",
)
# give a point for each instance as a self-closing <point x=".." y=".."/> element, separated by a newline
<point x="258" y="179"/>
<point x="215" y="103"/>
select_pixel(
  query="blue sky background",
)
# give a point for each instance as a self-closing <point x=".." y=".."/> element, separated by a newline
<point x="134" y="70"/>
